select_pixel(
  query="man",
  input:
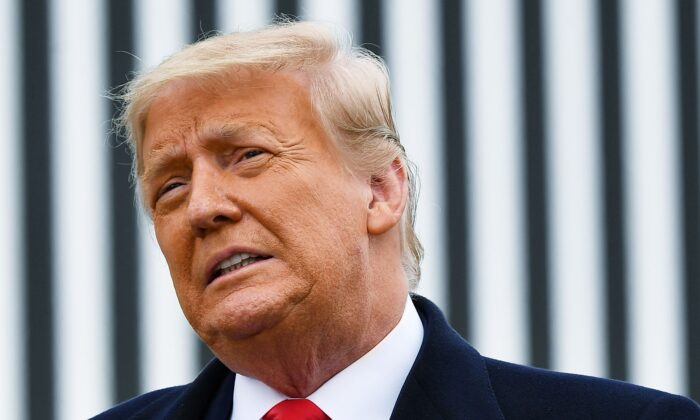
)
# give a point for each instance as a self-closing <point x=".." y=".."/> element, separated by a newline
<point x="283" y="202"/>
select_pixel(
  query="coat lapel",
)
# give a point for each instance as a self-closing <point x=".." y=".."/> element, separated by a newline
<point x="209" y="397"/>
<point x="448" y="379"/>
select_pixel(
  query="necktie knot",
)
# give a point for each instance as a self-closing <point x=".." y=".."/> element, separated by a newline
<point x="296" y="409"/>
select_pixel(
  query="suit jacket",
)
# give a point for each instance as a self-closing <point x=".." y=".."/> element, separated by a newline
<point x="449" y="380"/>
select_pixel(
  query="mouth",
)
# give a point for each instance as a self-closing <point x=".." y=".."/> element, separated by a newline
<point x="236" y="262"/>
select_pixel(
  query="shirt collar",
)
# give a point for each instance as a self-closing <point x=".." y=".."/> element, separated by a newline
<point x="367" y="389"/>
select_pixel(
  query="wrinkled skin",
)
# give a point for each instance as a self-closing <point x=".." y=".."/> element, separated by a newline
<point x="249" y="168"/>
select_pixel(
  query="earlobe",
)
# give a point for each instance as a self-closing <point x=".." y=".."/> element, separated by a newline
<point x="389" y="195"/>
<point x="381" y="219"/>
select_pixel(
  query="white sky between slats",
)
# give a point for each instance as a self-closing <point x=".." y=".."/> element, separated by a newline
<point x="650" y="145"/>
<point x="79" y="125"/>
<point x="495" y="168"/>
<point x="577" y="276"/>
<point x="12" y="363"/>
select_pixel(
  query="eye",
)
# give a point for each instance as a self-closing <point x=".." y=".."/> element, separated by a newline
<point x="169" y="187"/>
<point x="251" y="154"/>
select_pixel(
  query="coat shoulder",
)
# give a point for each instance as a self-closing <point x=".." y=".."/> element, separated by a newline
<point x="525" y="392"/>
<point x="206" y="397"/>
<point x="147" y="406"/>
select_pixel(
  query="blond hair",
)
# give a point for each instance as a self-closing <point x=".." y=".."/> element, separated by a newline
<point x="349" y="89"/>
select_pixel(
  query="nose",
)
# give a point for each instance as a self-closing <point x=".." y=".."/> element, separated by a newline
<point x="210" y="206"/>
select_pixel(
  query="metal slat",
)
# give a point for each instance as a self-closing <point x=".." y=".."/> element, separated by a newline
<point x="38" y="237"/>
<point x="611" y="115"/>
<point x="125" y="261"/>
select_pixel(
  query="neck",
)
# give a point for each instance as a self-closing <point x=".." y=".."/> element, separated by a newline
<point x="296" y="362"/>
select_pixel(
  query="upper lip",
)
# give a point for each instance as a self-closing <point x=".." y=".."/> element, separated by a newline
<point x="221" y="256"/>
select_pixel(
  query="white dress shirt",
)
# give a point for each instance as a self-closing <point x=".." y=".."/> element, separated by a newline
<point x="367" y="389"/>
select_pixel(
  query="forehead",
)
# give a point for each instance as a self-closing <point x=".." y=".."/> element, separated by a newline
<point x="184" y="109"/>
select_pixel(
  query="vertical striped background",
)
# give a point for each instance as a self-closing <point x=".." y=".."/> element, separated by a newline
<point x="557" y="143"/>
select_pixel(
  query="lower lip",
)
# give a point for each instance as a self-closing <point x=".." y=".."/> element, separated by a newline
<point x="240" y="271"/>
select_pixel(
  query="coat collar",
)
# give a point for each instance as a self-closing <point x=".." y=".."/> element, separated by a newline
<point x="449" y="379"/>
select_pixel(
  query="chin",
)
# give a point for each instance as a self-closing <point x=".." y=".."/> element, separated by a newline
<point x="242" y="316"/>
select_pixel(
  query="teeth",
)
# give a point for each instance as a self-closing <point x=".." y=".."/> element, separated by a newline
<point x="237" y="261"/>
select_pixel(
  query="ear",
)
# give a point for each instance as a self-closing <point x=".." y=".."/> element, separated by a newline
<point x="389" y="195"/>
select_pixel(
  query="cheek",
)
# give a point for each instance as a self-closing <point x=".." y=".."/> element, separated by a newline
<point x="328" y="230"/>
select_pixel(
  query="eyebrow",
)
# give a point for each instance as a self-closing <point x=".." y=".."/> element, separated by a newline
<point x="160" y="158"/>
<point x="231" y="130"/>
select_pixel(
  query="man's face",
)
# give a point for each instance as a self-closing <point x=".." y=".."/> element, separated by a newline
<point x="262" y="226"/>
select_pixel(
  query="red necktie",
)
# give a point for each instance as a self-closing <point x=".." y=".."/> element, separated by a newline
<point x="299" y="409"/>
